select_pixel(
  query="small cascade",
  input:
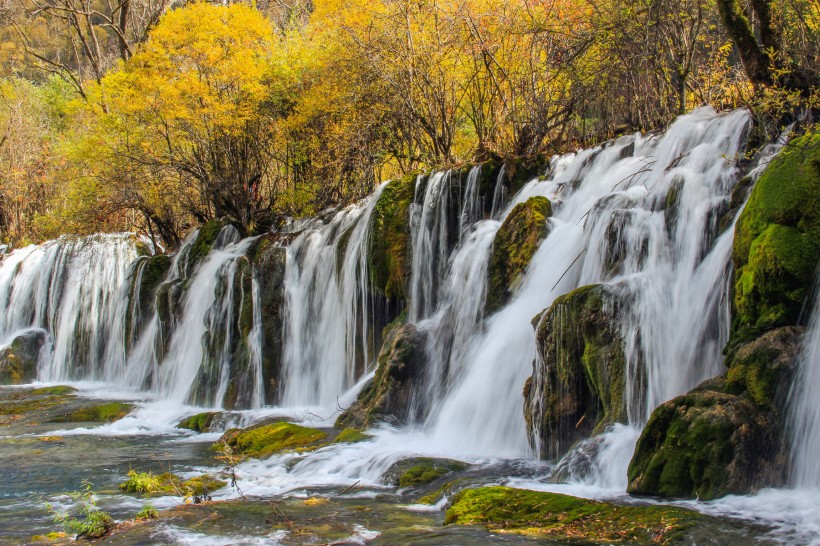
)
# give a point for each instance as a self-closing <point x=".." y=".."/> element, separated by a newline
<point x="430" y="235"/>
<point x="805" y="406"/>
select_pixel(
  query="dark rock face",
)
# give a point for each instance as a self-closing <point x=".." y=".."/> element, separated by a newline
<point x="514" y="246"/>
<point x="727" y="435"/>
<point x="18" y="361"/>
<point x="389" y="395"/>
<point x="578" y="378"/>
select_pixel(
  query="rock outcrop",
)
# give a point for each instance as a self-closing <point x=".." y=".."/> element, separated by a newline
<point x="389" y="396"/>
<point x="18" y="360"/>
<point x="577" y="384"/>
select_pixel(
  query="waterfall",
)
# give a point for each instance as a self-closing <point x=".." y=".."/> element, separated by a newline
<point x="69" y="288"/>
<point x="805" y="405"/>
<point x="326" y="309"/>
<point x="612" y="224"/>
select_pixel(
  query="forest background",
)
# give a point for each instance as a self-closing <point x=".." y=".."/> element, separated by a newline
<point x="154" y="116"/>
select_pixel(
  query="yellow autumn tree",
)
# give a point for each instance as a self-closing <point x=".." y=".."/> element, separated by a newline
<point x="184" y="126"/>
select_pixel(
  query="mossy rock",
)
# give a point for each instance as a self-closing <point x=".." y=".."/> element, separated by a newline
<point x="763" y="369"/>
<point x="350" y="436"/>
<point x="204" y="241"/>
<point x="201" y="422"/>
<point x="577" y="385"/>
<point x="705" y="444"/>
<point x="98" y="413"/>
<point x="515" y="243"/>
<point x="389" y="395"/>
<point x="265" y="440"/>
<point x="388" y="256"/>
<point x="777" y="242"/>
<point x="420" y="471"/>
<point x="565" y="518"/>
<point x="18" y="360"/>
<point x="167" y="483"/>
<point x="54" y="391"/>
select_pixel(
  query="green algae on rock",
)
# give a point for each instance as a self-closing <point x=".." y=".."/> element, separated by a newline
<point x="561" y="517"/>
<point x="53" y="391"/>
<point x="262" y="441"/>
<point x="578" y="384"/>
<point x="350" y="436"/>
<point x="146" y="483"/>
<point x="98" y="413"/>
<point x="514" y="246"/>
<point x="704" y="444"/>
<point x="777" y="242"/>
<point x="201" y="422"/>
<point x="420" y="471"/>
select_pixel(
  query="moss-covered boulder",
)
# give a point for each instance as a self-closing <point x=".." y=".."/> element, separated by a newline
<point x="577" y="384"/>
<point x="777" y="242"/>
<point x="201" y="422"/>
<point x="420" y="471"/>
<point x="18" y="360"/>
<point x="706" y="444"/>
<point x="389" y="396"/>
<point x="564" y="518"/>
<point x="98" y="413"/>
<point x="514" y="246"/>
<point x="264" y="440"/>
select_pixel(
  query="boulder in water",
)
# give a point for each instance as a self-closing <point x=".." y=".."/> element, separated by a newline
<point x="18" y="360"/>
<point x="514" y="246"/>
<point x="420" y="471"/>
<point x="577" y="384"/>
<point x="389" y="395"/>
<point x="264" y="440"/>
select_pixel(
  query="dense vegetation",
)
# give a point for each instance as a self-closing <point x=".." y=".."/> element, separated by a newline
<point x="156" y="115"/>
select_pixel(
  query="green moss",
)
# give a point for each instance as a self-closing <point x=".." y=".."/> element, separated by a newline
<point x="704" y="444"/>
<point x="201" y="246"/>
<point x="389" y="245"/>
<point x="200" y="422"/>
<point x="777" y="241"/>
<point x="427" y="470"/>
<point x="263" y="441"/>
<point x="56" y="390"/>
<point x="514" y="246"/>
<point x="438" y="494"/>
<point x="20" y="407"/>
<point x="550" y="515"/>
<point x="100" y="413"/>
<point x="350" y="436"/>
<point x="146" y="483"/>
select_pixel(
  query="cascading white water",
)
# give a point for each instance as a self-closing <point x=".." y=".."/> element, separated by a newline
<point x="69" y="288"/>
<point x="805" y="406"/>
<point x="325" y="308"/>
<point x="673" y="270"/>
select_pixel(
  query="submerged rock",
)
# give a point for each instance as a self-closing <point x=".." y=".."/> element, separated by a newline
<point x="577" y="384"/>
<point x="514" y="246"/>
<point x="389" y="396"/>
<point x="18" y="360"/>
